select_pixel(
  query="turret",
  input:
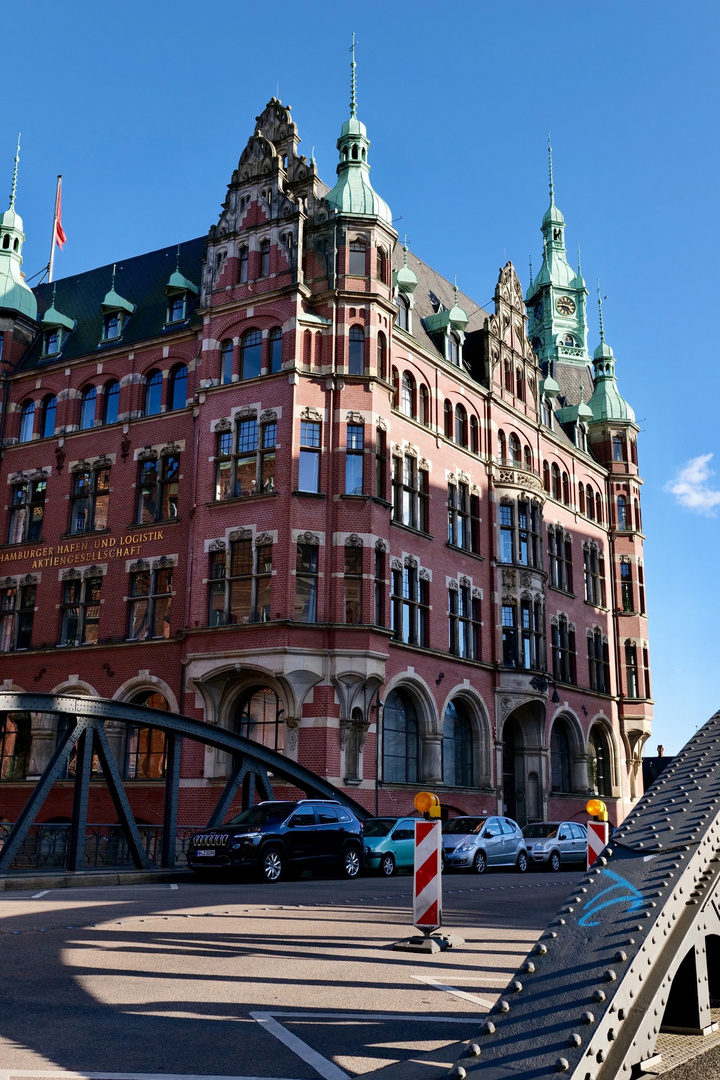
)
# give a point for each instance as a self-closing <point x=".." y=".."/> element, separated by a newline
<point x="607" y="404"/>
<point x="15" y="295"/>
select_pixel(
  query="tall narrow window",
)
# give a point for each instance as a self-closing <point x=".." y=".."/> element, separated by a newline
<point x="407" y="395"/>
<point x="546" y="476"/>
<point x="402" y="319"/>
<point x="276" y="351"/>
<point x="531" y="635"/>
<point x="380" y="586"/>
<point x="600" y="763"/>
<point x="243" y="265"/>
<point x="509" y="635"/>
<point x="598" y="662"/>
<point x="505" y="516"/>
<point x="239" y="587"/>
<point x="356" y="266"/>
<point x="356" y="351"/>
<point x="245" y="466"/>
<point x="464" y="623"/>
<point x="87" y="407"/>
<point x="381" y="357"/>
<point x="89" y="500"/>
<point x="560" y="560"/>
<point x="646" y="672"/>
<point x="424" y="406"/>
<point x="27" y="421"/>
<point x="410" y="606"/>
<point x="381" y="264"/>
<point x="410" y="493"/>
<point x="153" y="393"/>
<point x="396" y="389"/>
<point x="17" y="610"/>
<point x="565" y="489"/>
<point x="589" y="502"/>
<point x="622" y="514"/>
<point x="453" y="349"/>
<point x="598" y="508"/>
<point x="354" y="456"/>
<point x="27" y="506"/>
<point x="641" y="589"/>
<point x="519" y="385"/>
<point x="309" y="475"/>
<point x="80" y="619"/>
<point x="264" y="259"/>
<point x="145" y="752"/>
<point x="47" y="422"/>
<point x="618" y="448"/>
<point x="463" y="518"/>
<point x="563" y="651"/>
<point x="581" y="498"/>
<point x="448" y="413"/>
<point x="307" y="349"/>
<point x="158" y="489"/>
<point x="528" y="458"/>
<point x="111" y="402"/>
<point x="306" y="583"/>
<point x="251" y="354"/>
<point x="457" y="747"/>
<point x="380" y="464"/>
<point x="474" y="435"/>
<point x="626" y="587"/>
<point x="560" y="757"/>
<point x="501" y="448"/>
<point x="460" y="425"/>
<point x="177" y="391"/>
<point x="150" y="603"/>
<point x="15" y="736"/>
<point x="226" y="362"/>
<point x="514" y="449"/>
<point x="594" y="565"/>
<point x="631" y="671"/>
<point x="400" y="740"/>
<point x="555" y="477"/>
<point x="353" y="584"/>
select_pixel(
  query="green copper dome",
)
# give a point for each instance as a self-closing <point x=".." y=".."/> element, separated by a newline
<point x="405" y="278"/>
<point x="15" y="295"/>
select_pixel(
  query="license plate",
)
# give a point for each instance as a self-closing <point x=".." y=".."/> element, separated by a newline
<point x="208" y="853"/>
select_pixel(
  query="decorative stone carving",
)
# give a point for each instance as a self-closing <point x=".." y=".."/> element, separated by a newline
<point x="424" y="574"/>
<point x="380" y="545"/>
<point x="310" y="414"/>
<point x="308" y="538"/>
<point x="424" y="464"/>
<point x="147" y="454"/>
<point x="80" y="466"/>
<point x="453" y="586"/>
<point x="411" y="562"/>
<point x="508" y="598"/>
<point x="477" y="593"/>
<point x="355" y="418"/>
<point x="103" y="462"/>
<point x="223" y="425"/>
<point x="263" y="538"/>
<point x="382" y="423"/>
<point x="217" y="545"/>
<point x="553" y="620"/>
<point x="396" y="564"/>
<point x="246" y="412"/>
<point x="71" y="575"/>
<point x="170" y="448"/>
<point x="465" y="582"/>
<point x="353" y="541"/>
<point x="240" y="534"/>
<point x="509" y="579"/>
<point x="397" y="450"/>
<point x="268" y="416"/>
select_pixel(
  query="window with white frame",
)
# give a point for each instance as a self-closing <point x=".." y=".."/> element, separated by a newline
<point x="463" y="517"/>
<point x="410" y="603"/>
<point x="27" y="507"/>
<point x="151" y="595"/>
<point x="240" y="583"/>
<point x="89" y="499"/>
<point x="354" y="457"/>
<point x="560" y="559"/>
<point x="245" y="458"/>
<point x="410" y="493"/>
<point x="594" y="566"/>
<point x="310" y="448"/>
<point x="80" y="610"/>
<point x="463" y="621"/>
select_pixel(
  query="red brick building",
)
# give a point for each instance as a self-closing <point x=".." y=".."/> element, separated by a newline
<point x="285" y="470"/>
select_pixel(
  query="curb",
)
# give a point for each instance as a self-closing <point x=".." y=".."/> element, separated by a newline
<point x="84" y="880"/>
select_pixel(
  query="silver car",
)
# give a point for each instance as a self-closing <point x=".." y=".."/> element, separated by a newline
<point x="556" y="843"/>
<point x="475" y="843"/>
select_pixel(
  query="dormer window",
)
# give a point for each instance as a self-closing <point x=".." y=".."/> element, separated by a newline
<point x="177" y="307"/>
<point x="402" y="318"/>
<point x="112" y="326"/>
<point x="52" y="341"/>
<point x="453" y="349"/>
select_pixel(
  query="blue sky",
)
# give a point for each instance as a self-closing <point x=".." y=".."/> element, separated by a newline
<point x="146" y="107"/>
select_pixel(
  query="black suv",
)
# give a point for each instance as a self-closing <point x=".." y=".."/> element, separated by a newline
<point x="281" y="839"/>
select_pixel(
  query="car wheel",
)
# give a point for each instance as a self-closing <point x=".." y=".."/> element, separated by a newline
<point x="554" y="861"/>
<point x="387" y="865"/>
<point x="351" y="862"/>
<point x="272" y="865"/>
<point x="521" y="863"/>
<point x="479" y="862"/>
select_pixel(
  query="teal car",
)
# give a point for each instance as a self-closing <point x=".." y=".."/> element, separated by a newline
<point x="389" y="844"/>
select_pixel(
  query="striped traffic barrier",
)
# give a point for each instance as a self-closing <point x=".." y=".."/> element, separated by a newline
<point x="598" y="831"/>
<point x="427" y="876"/>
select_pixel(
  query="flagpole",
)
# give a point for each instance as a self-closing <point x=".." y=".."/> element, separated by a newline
<point x="54" y="230"/>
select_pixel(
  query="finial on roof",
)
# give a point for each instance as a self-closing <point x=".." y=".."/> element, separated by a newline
<point x="552" y="186"/>
<point x="353" y="97"/>
<point x="455" y="290"/>
<point x="13" y="189"/>
<point x="177" y="258"/>
<point x="54" y="291"/>
<point x="531" y="273"/>
<point x="405" y="250"/>
<point x="602" y="327"/>
<point x="312" y="156"/>
<point x="579" y="263"/>
<point x="113" y="274"/>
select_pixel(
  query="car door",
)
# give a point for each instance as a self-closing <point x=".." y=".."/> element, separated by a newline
<point x="403" y="842"/>
<point x="510" y="841"/>
<point x="565" y="843"/>
<point x="328" y="836"/>
<point x="492" y="841"/>
<point x="579" y="843"/>
<point x="301" y="835"/>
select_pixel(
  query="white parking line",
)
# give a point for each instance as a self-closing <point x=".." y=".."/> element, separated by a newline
<point x="173" y="886"/>
<point x="327" y="1069"/>
<point x="37" y="895"/>
<point x="452" y="990"/>
<point x="10" y="1074"/>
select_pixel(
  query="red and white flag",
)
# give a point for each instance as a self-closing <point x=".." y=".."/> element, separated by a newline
<point x="58" y="231"/>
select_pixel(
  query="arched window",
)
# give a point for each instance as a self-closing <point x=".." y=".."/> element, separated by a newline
<point x="453" y="349"/>
<point x="356" y="351"/>
<point x="265" y="258"/>
<point x="307" y="349"/>
<point x="381" y="264"/>
<point x="226" y="362"/>
<point x="111" y="402"/>
<point x="546" y="476"/>
<point x="618" y="448"/>
<point x="514" y="448"/>
<point x="508" y="377"/>
<point x="449" y="416"/>
<point x="424" y="415"/>
<point x="560" y="774"/>
<point x="402" y="319"/>
<point x="396" y="388"/>
<point x="474" y="435"/>
<point x="457" y="748"/>
<point x="569" y="340"/>
<point x="636" y="507"/>
<point x="622" y="514"/>
<point x="400" y="741"/>
<point x="598" y="508"/>
<point x="460" y="425"/>
<point x="599" y="762"/>
<point x="47" y="423"/>
<point x="27" y="421"/>
<point x="555" y="475"/>
<point x="87" y="407"/>
<point x="407" y="395"/>
<point x="250" y="354"/>
<point x="15" y="735"/>
<point x="243" y="265"/>
<point x="519" y="385"/>
<point x="581" y="498"/>
<point x="589" y="501"/>
<point x="527" y="455"/>
<point x="275" y="350"/>
<point x="153" y="393"/>
<point x="318" y="349"/>
<point x="502" y="448"/>
<point x="178" y="387"/>
<point x="381" y="357"/>
<point x="146" y="747"/>
<point x="258" y="717"/>
<point x="356" y="266"/>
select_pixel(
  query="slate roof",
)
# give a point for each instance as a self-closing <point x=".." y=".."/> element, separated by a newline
<point x="141" y="280"/>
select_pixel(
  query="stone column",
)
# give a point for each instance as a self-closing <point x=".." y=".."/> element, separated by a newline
<point x="43" y="737"/>
<point x="431" y="759"/>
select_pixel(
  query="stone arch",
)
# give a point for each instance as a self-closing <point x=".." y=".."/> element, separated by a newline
<point x="600" y="726"/>
<point x="77" y="688"/>
<point x="137" y="683"/>
<point x="429" y="727"/>
<point x="576" y="780"/>
<point x="481" y="728"/>
<point x="521" y="760"/>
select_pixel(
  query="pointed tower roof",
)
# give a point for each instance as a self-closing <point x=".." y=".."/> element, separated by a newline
<point x="54" y="318"/>
<point x="353" y="193"/>
<point x="552" y="215"/>
<point x="177" y="283"/>
<point x="14" y="293"/>
<point x="555" y="269"/>
<point x="405" y="278"/>
<point x="114" y="301"/>
<point x="607" y="403"/>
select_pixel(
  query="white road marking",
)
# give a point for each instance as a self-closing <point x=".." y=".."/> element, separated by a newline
<point x="452" y="990"/>
<point x="327" y="1069"/>
<point x="37" y="895"/>
<point x="10" y="1074"/>
<point x="173" y="886"/>
<point x="422" y="1018"/>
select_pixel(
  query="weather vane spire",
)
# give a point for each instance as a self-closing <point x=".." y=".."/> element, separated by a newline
<point x="113" y="276"/>
<point x="602" y="325"/>
<point x="531" y="273"/>
<point x="455" y="289"/>
<point x="552" y="186"/>
<point x="579" y="263"/>
<point x="353" y="96"/>
<point x="13" y="189"/>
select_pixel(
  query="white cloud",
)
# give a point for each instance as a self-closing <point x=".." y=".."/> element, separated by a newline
<point x="691" y="489"/>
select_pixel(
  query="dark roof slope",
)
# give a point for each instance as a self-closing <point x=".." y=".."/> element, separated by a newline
<point x="140" y="280"/>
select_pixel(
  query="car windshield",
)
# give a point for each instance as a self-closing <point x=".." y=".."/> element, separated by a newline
<point x="379" y="826"/>
<point x="464" y="825"/>
<point x="264" y="815"/>
<point x="541" y="829"/>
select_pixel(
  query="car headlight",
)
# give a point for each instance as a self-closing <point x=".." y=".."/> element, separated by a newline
<point x="467" y="846"/>
<point x="252" y="837"/>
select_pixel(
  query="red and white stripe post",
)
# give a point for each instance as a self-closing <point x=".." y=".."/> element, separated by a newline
<point x="427" y="876"/>
<point x="598" y="831"/>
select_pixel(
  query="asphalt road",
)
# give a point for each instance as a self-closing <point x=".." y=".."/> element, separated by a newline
<point x="295" y="981"/>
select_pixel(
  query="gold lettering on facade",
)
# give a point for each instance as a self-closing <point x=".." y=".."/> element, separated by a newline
<point x="78" y="552"/>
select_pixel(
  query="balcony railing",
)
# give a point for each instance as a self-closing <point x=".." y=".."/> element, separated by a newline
<point x="46" y="846"/>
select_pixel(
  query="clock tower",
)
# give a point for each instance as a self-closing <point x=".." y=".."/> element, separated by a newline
<point x="556" y="298"/>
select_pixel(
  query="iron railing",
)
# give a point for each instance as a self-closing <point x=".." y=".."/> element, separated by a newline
<point x="46" y="846"/>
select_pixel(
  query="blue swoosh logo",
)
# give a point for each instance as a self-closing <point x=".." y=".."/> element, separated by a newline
<point x="630" y="896"/>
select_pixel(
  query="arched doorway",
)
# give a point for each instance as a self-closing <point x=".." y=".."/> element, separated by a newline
<point x="258" y="716"/>
<point x="146" y="747"/>
<point x="599" y="762"/>
<point x="560" y="759"/>
<point x="400" y="739"/>
<point x="522" y="763"/>
<point x="512" y="741"/>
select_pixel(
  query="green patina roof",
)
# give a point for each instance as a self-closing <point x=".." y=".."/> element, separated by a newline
<point x="405" y="278"/>
<point x="15" y="295"/>
<point x="180" y="284"/>
<point x="607" y="403"/>
<point x="54" y="318"/>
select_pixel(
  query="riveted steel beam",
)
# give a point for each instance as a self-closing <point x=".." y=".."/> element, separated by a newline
<point x="120" y="799"/>
<point x="172" y="793"/>
<point x="81" y="799"/>
<point x="626" y="955"/>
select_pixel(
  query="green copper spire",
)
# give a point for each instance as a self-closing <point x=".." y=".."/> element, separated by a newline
<point x="353" y="193"/>
<point x="405" y="279"/>
<point x="606" y="403"/>
<point x="602" y="324"/>
<point x="15" y="295"/>
<point x="114" y="301"/>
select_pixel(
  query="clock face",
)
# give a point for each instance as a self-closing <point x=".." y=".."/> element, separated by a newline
<point x="538" y="312"/>
<point x="566" y="305"/>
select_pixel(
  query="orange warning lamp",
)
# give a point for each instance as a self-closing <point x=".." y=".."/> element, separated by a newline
<point x="427" y="804"/>
<point x="596" y="808"/>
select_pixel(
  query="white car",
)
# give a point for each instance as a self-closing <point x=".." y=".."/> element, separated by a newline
<point x="556" y="843"/>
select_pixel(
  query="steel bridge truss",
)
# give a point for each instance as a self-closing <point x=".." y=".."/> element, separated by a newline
<point x="253" y="765"/>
